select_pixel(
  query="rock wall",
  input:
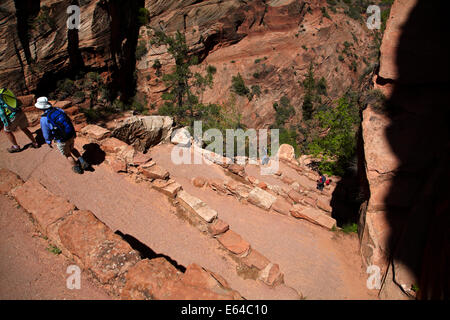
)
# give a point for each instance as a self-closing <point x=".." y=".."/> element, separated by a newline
<point x="406" y="146"/>
<point x="270" y="43"/>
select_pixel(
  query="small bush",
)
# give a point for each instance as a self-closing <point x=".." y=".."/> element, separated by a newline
<point x="54" y="249"/>
<point x="325" y="13"/>
<point x="141" y="50"/>
<point x="238" y="85"/>
<point x="143" y="17"/>
<point x="350" y="228"/>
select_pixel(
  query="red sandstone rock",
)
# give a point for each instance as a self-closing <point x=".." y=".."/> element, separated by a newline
<point x="295" y="196"/>
<point x="8" y="181"/>
<point x="237" y="169"/>
<point x="62" y="104"/>
<point x="271" y="275"/>
<point x="72" y="111"/>
<point x="95" y="132"/>
<point x="286" y="152"/>
<point x="147" y="278"/>
<point x="27" y="100"/>
<point x="262" y="185"/>
<point x="199" y="182"/>
<point x="282" y="206"/>
<point x="234" y="242"/>
<point x="101" y="251"/>
<point x="218" y="227"/>
<point x="255" y="260"/>
<point x="45" y="207"/>
<point x="155" y="172"/>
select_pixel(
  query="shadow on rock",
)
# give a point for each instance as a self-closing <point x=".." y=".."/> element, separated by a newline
<point x="93" y="154"/>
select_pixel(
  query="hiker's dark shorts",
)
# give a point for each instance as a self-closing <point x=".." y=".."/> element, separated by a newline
<point x="20" y="121"/>
<point x="66" y="147"/>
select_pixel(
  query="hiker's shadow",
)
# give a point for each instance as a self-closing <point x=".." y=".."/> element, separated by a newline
<point x="93" y="155"/>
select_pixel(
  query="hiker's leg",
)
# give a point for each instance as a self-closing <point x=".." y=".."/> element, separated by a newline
<point x="11" y="138"/>
<point x="29" y="135"/>
<point x="65" y="149"/>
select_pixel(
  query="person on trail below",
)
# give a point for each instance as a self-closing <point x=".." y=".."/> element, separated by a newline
<point x="321" y="182"/>
<point x="12" y="117"/>
<point x="265" y="158"/>
<point x="56" y="125"/>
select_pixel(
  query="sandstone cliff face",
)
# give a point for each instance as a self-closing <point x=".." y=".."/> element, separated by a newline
<point x="38" y="49"/>
<point x="406" y="146"/>
<point x="41" y="49"/>
<point x="270" y="43"/>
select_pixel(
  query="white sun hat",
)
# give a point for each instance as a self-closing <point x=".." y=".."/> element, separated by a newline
<point x="42" y="103"/>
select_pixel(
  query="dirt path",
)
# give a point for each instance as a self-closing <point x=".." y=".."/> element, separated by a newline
<point x="133" y="209"/>
<point x="27" y="269"/>
<point x="319" y="263"/>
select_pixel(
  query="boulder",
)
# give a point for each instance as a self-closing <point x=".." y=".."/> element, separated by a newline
<point x="95" y="132"/>
<point x="313" y="215"/>
<point x="196" y="206"/>
<point x="218" y="227"/>
<point x="181" y="137"/>
<point x="261" y="198"/>
<point x="262" y="185"/>
<point x="234" y="242"/>
<point x="324" y="205"/>
<point x="237" y="169"/>
<point x="62" y="104"/>
<point x="121" y="149"/>
<point x="140" y="159"/>
<point x="146" y="279"/>
<point x="101" y="251"/>
<point x="271" y="275"/>
<point x="218" y="185"/>
<point x="154" y="172"/>
<point x="44" y="207"/>
<point x="282" y="206"/>
<point x="286" y="152"/>
<point x="172" y="189"/>
<point x="27" y="101"/>
<point x="199" y="182"/>
<point x="143" y="132"/>
<point x="255" y="260"/>
<point x="117" y="165"/>
<point x="295" y="196"/>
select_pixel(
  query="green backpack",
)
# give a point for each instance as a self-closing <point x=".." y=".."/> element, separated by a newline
<point x="10" y="101"/>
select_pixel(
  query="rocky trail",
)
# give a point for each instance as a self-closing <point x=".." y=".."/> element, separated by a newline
<point x="314" y="263"/>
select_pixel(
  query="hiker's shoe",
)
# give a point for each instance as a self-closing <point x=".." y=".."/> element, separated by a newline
<point x="14" y="149"/>
<point x="77" y="169"/>
<point x="35" y="145"/>
<point x="84" y="165"/>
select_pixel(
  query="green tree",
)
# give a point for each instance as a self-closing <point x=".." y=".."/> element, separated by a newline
<point x="336" y="147"/>
<point x="179" y="98"/>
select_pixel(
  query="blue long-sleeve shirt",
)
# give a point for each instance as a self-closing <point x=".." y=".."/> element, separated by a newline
<point x="47" y="127"/>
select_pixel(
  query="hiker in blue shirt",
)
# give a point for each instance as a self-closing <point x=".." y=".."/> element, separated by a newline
<point x="12" y="117"/>
<point x="56" y="125"/>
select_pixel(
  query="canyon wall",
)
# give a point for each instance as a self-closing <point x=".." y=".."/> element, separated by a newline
<point x="270" y="43"/>
<point x="404" y="227"/>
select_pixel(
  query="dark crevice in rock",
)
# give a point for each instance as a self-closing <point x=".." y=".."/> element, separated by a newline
<point x="26" y="10"/>
<point x="76" y="60"/>
<point x="124" y="28"/>
<point x="147" y="253"/>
